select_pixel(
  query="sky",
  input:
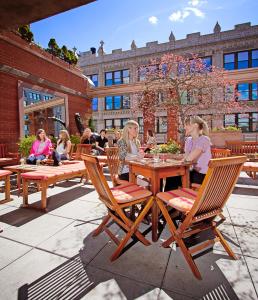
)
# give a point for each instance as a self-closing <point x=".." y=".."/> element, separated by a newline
<point x="118" y="22"/>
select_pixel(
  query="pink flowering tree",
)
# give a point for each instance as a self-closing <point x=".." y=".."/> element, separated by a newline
<point x="185" y="86"/>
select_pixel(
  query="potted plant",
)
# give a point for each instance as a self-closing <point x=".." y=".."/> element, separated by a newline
<point x="25" y="145"/>
<point x="169" y="150"/>
<point x="219" y="136"/>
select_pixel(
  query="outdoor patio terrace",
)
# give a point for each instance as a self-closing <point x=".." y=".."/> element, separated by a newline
<point x="53" y="256"/>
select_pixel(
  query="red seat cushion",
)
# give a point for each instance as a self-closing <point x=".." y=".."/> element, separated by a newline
<point x="5" y="173"/>
<point x="181" y="199"/>
<point x="37" y="175"/>
<point x="129" y="192"/>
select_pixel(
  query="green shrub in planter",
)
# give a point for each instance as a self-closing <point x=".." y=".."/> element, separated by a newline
<point x="75" y="139"/>
<point x="26" y="144"/>
<point x="171" y="147"/>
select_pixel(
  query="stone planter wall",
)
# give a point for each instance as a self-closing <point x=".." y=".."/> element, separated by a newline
<point x="218" y="139"/>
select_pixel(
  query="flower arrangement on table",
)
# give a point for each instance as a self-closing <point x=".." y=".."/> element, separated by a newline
<point x="171" y="147"/>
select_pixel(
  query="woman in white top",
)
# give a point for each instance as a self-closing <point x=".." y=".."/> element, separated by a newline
<point x="128" y="146"/>
<point x="63" y="148"/>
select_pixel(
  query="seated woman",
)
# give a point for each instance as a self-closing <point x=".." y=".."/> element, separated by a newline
<point x="128" y="146"/>
<point x="101" y="142"/>
<point x="151" y="140"/>
<point x="63" y="148"/>
<point x="197" y="151"/>
<point x="197" y="148"/>
<point x="117" y="137"/>
<point x="87" y="137"/>
<point x="41" y="148"/>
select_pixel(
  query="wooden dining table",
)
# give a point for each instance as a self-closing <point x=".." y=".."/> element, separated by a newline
<point x="155" y="171"/>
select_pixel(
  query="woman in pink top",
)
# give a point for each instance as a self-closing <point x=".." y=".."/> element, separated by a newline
<point x="41" y="148"/>
<point x="197" y="151"/>
<point x="197" y="147"/>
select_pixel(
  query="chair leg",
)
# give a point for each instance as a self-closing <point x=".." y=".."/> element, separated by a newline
<point x="133" y="230"/>
<point x="101" y="226"/>
<point x="224" y="243"/>
<point x="188" y="258"/>
<point x="44" y="196"/>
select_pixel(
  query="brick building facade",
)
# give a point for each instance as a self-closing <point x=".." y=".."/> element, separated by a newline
<point x="117" y="77"/>
<point x="27" y="68"/>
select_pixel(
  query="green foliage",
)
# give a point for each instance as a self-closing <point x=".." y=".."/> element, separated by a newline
<point x="91" y="125"/>
<point x="26" y="33"/>
<point x="75" y="139"/>
<point x="171" y="147"/>
<point x="63" y="53"/>
<point x="26" y="144"/>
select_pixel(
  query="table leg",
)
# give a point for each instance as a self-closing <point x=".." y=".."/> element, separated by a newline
<point x="19" y="183"/>
<point x="7" y="188"/>
<point x="154" y="221"/>
<point x="186" y="179"/>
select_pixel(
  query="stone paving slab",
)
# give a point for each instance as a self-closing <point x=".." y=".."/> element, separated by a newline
<point x="25" y="270"/>
<point x="11" y="251"/>
<point x="37" y="230"/>
<point x="35" y="260"/>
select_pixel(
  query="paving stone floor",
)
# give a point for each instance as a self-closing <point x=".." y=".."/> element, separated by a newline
<point x="53" y="255"/>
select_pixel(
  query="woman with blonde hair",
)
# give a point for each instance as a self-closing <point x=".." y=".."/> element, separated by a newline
<point x="87" y="137"/>
<point x="197" y="150"/>
<point x="63" y="148"/>
<point x="128" y="146"/>
<point x="197" y="147"/>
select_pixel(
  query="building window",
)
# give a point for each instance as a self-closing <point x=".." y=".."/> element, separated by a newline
<point x="161" y="124"/>
<point x="47" y="97"/>
<point x="117" y="102"/>
<point x="109" y="124"/>
<point x="141" y="125"/>
<point x="115" y="123"/>
<point x="95" y="79"/>
<point x="248" y="122"/>
<point x="94" y="104"/>
<point x="108" y="102"/>
<point x="207" y="62"/>
<point x="243" y="122"/>
<point x="247" y="91"/>
<point x="243" y="90"/>
<point x="117" y="77"/>
<point x="241" y="60"/>
<point x="254" y="58"/>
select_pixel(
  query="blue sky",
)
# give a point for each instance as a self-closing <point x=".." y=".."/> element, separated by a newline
<point x="118" y="22"/>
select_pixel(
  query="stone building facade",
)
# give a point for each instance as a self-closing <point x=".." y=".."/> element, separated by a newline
<point x="116" y="76"/>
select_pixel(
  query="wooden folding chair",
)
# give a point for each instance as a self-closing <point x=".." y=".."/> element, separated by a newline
<point x="217" y="153"/>
<point x="82" y="149"/>
<point x="199" y="209"/>
<point x="113" y="165"/>
<point x="116" y="200"/>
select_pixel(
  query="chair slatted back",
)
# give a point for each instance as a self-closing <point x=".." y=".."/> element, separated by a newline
<point x="242" y="147"/>
<point x="217" y="185"/>
<point x="217" y="153"/>
<point x="82" y="149"/>
<point x="113" y="163"/>
<point x="3" y="150"/>
<point x="99" y="181"/>
<point x="71" y="150"/>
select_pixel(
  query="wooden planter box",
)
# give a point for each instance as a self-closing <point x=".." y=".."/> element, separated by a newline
<point x="218" y="139"/>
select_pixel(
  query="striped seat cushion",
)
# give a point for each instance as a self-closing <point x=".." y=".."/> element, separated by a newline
<point x="5" y="173"/>
<point x="181" y="199"/>
<point x="129" y="192"/>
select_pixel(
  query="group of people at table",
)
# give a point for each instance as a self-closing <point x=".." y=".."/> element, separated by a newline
<point x="197" y="148"/>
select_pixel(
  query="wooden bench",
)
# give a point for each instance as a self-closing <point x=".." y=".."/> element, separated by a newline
<point x="242" y="147"/>
<point x="5" y="175"/>
<point x="251" y="168"/>
<point x="7" y="158"/>
<point x="48" y="175"/>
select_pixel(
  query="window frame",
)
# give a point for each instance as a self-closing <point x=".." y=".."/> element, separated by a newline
<point x="250" y="121"/>
<point x="121" y="102"/>
<point x="113" y="78"/>
<point x="236" y="66"/>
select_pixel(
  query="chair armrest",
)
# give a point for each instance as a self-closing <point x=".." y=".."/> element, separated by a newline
<point x="13" y="155"/>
